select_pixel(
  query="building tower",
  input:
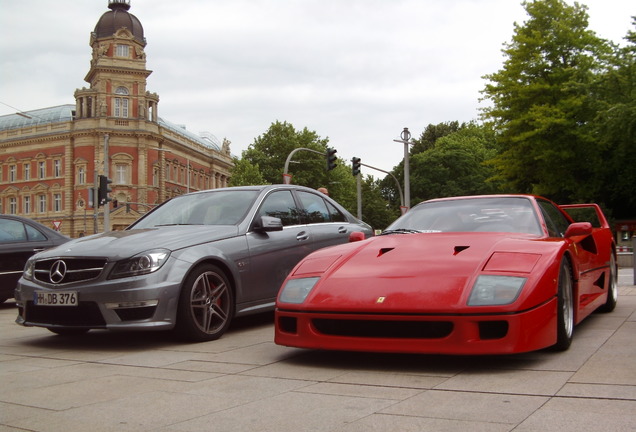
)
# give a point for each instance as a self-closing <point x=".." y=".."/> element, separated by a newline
<point x="50" y="158"/>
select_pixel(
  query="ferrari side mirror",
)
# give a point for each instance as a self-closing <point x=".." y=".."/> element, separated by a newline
<point x="356" y="236"/>
<point x="579" y="229"/>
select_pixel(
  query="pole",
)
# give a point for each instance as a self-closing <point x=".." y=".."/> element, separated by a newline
<point x="405" y="139"/>
<point x="359" y="187"/>
<point x="95" y="203"/>
<point x="106" y="204"/>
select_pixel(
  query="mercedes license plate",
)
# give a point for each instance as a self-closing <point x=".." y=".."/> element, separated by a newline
<point x="57" y="298"/>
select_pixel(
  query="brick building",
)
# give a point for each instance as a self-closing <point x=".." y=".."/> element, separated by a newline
<point x="50" y="158"/>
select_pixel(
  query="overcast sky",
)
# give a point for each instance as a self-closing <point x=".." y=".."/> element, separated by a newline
<point x="355" y="71"/>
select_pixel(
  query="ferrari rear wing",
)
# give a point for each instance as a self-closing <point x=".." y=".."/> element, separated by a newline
<point x="586" y="213"/>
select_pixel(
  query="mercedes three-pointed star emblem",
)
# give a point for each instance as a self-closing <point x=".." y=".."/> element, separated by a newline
<point x="57" y="272"/>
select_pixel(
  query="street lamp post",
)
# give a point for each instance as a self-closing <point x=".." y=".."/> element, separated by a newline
<point x="405" y="139"/>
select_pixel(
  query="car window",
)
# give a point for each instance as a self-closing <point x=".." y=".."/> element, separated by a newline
<point x="33" y="234"/>
<point x="12" y="231"/>
<point x="557" y="223"/>
<point x="213" y="208"/>
<point x="335" y="214"/>
<point x="315" y="209"/>
<point x="496" y="214"/>
<point x="281" y="204"/>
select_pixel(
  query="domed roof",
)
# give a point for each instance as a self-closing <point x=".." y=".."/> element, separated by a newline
<point x="119" y="17"/>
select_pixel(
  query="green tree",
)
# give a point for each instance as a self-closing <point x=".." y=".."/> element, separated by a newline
<point x="268" y="154"/>
<point x="424" y="143"/>
<point x="615" y="128"/>
<point x="542" y="108"/>
<point x="455" y="165"/>
<point x="245" y="173"/>
<point x="375" y="208"/>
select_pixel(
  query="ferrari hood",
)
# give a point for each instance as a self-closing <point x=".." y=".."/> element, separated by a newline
<point x="433" y="271"/>
<point x="122" y="244"/>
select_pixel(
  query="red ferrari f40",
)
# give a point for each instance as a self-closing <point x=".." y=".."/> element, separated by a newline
<point x="463" y="275"/>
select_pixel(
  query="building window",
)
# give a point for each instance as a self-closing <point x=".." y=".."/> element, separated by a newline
<point x="121" y="107"/>
<point x="121" y="104"/>
<point x="13" y="205"/>
<point x="41" y="203"/>
<point x="13" y="169"/>
<point x="155" y="176"/>
<point x="121" y="174"/>
<point x="42" y="169"/>
<point x="27" y="204"/>
<point x="57" y="168"/>
<point x="57" y="202"/>
<point x="27" y="171"/>
<point x="122" y="51"/>
<point x="81" y="175"/>
<point x="167" y="172"/>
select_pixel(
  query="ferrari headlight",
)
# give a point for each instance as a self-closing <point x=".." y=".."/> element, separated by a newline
<point x="140" y="264"/>
<point x="492" y="290"/>
<point x="296" y="290"/>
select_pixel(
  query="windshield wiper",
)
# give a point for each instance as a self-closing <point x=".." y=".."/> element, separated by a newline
<point x="401" y="231"/>
<point x="175" y="224"/>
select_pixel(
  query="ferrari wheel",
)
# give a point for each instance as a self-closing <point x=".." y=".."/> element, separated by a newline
<point x="565" y="308"/>
<point x="612" y="287"/>
<point x="206" y="305"/>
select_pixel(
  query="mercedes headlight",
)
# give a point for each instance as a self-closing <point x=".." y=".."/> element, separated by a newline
<point x="492" y="290"/>
<point x="140" y="264"/>
<point x="29" y="268"/>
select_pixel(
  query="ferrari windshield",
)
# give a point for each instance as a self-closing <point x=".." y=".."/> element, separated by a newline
<point x="207" y="208"/>
<point x="486" y="214"/>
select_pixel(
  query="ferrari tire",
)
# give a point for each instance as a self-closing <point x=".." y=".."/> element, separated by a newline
<point x="565" y="308"/>
<point x="612" y="287"/>
<point x="206" y="305"/>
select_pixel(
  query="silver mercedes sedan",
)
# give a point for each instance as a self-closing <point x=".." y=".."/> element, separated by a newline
<point x="190" y="265"/>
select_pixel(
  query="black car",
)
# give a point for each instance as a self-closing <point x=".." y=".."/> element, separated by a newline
<point x="20" y="238"/>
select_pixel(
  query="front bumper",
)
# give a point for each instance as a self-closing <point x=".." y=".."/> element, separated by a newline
<point x="431" y="334"/>
<point x="144" y="302"/>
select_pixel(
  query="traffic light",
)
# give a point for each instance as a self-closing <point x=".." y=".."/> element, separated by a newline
<point x="331" y="158"/>
<point x="355" y="166"/>
<point x="103" y="190"/>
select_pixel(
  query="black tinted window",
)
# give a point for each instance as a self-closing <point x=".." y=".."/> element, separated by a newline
<point x="315" y="209"/>
<point x="557" y="223"/>
<point x="335" y="214"/>
<point x="281" y="204"/>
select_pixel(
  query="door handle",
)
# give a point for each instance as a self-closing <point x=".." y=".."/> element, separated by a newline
<point x="342" y="230"/>
<point x="302" y="236"/>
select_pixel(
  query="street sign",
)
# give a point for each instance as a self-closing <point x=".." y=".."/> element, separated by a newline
<point x="57" y="224"/>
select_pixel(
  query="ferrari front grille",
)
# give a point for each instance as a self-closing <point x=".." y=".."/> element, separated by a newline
<point x="384" y="329"/>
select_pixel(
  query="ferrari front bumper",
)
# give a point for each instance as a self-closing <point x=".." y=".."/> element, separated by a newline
<point x="469" y="334"/>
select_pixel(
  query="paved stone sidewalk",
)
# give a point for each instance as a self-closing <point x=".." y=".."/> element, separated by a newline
<point x="123" y="382"/>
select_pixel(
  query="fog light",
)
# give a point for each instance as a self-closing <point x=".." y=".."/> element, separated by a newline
<point x="135" y="304"/>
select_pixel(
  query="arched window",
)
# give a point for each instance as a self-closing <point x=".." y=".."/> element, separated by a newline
<point x="121" y="103"/>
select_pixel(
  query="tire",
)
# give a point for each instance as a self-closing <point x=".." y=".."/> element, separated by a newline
<point x="565" y="308"/>
<point x="68" y="331"/>
<point x="206" y="305"/>
<point x="612" y="287"/>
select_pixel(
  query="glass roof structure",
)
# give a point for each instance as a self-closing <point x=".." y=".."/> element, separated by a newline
<point x="64" y="113"/>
